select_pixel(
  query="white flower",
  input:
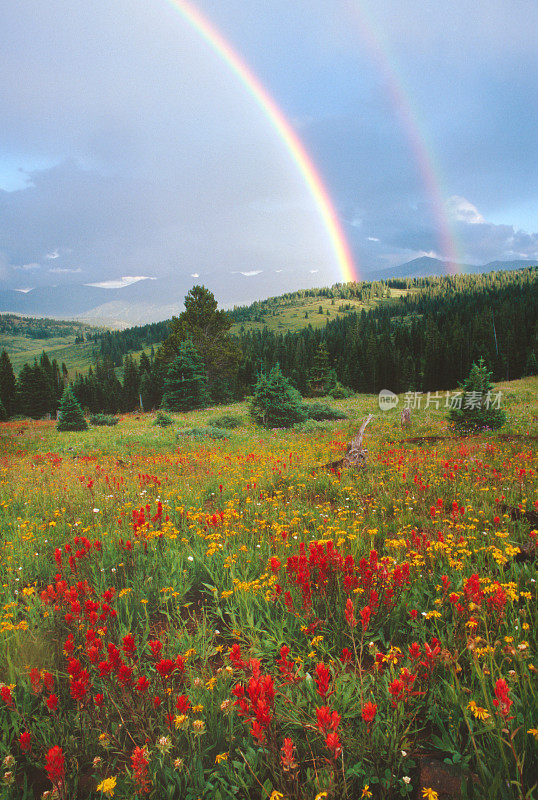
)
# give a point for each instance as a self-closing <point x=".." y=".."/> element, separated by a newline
<point x="406" y="779"/>
<point x="190" y="558"/>
<point x="96" y="510"/>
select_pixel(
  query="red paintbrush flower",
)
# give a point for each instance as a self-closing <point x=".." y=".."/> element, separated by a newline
<point x="368" y="712"/>
<point x="55" y="765"/>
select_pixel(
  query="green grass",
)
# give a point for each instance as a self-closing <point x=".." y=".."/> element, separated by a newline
<point x="189" y="536"/>
<point x="283" y="315"/>
<point x="22" y="350"/>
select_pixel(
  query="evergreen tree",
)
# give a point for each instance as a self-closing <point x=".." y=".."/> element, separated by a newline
<point x="144" y="365"/>
<point x="531" y="366"/>
<point x="209" y="330"/>
<point x="106" y="388"/>
<point x="319" y="372"/>
<point x="147" y="391"/>
<point x="479" y="405"/>
<point x="131" y="384"/>
<point x="33" y="398"/>
<point x="3" y="412"/>
<point x="276" y="404"/>
<point x="54" y="382"/>
<point x="185" y="385"/>
<point x="8" y="384"/>
<point x="70" y="417"/>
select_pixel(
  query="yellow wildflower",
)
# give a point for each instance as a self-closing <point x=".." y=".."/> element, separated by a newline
<point x="429" y="794"/>
<point x="477" y="711"/>
<point x="107" y="787"/>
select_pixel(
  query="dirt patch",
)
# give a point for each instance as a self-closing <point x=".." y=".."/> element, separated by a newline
<point x="425" y="439"/>
<point x="517" y="437"/>
<point x="445" y="779"/>
<point x="529" y="516"/>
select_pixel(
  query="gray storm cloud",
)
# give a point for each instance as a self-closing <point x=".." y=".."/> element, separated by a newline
<point x="140" y="153"/>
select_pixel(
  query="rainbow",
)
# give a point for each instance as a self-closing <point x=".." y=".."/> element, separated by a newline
<point x="449" y="250"/>
<point x="284" y="130"/>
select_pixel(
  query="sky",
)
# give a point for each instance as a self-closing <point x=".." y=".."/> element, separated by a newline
<point x="130" y="149"/>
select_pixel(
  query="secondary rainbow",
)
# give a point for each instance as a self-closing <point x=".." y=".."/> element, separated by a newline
<point x="423" y="155"/>
<point x="295" y="147"/>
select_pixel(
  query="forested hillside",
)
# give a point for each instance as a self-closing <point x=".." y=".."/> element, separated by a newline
<point x="426" y="339"/>
<point x="422" y="334"/>
<point x="25" y="338"/>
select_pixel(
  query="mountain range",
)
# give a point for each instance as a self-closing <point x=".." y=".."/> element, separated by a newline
<point x="142" y="302"/>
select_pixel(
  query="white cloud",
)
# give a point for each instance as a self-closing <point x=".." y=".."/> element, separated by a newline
<point x="25" y="290"/>
<point x="194" y="275"/>
<point x="54" y="254"/>
<point x="65" y="270"/>
<point x="373" y="239"/>
<point x="460" y="209"/>
<point x="251" y="273"/>
<point x="126" y="280"/>
<point x="313" y="271"/>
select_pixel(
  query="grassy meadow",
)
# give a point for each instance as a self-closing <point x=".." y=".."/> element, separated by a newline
<point x="282" y="315"/>
<point x="186" y="616"/>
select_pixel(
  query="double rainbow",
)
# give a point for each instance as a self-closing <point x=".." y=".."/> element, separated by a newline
<point x="447" y="243"/>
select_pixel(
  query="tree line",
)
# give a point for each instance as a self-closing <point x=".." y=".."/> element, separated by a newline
<point x="425" y="340"/>
<point x="422" y="341"/>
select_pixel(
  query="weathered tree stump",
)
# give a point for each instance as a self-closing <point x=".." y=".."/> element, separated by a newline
<point x="356" y="455"/>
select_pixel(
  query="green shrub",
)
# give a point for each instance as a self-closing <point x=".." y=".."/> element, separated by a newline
<point x="479" y="403"/>
<point x="340" y="391"/>
<point x="320" y="411"/>
<point x="162" y="420"/>
<point x="226" y="421"/>
<point x="312" y="425"/>
<point x="104" y="419"/>
<point x="276" y="404"/>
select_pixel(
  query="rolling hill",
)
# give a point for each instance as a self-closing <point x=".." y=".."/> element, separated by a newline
<point x="141" y="302"/>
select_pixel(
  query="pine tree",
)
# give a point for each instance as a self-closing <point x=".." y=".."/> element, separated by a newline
<point x="131" y="384"/>
<point x="8" y="384"/>
<point x="319" y="372"/>
<point x="276" y="404"/>
<point x="51" y="372"/>
<point x="185" y="385"/>
<point x="70" y="416"/>
<point x="208" y="328"/>
<point x="531" y="366"/>
<point x="478" y="402"/>
<point x="33" y="392"/>
<point x="3" y="412"/>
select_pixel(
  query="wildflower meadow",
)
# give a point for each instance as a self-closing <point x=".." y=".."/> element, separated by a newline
<point x="186" y="615"/>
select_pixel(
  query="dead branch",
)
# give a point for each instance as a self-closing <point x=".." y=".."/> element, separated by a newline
<point x="356" y="454"/>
